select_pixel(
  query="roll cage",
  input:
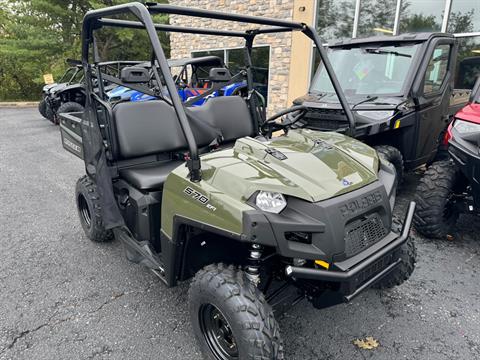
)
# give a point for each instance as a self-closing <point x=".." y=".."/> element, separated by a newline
<point x="97" y="19"/>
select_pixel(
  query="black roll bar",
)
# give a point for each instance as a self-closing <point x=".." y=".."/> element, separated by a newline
<point x="169" y="28"/>
<point x="94" y="20"/>
<point x="312" y="34"/>
<point x="141" y="12"/>
<point x="210" y="14"/>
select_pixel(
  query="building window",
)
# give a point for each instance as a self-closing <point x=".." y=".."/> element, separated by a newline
<point x="468" y="62"/>
<point x="219" y="53"/>
<point x="376" y="17"/>
<point x="334" y="19"/>
<point x="234" y="59"/>
<point x="437" y="69"/>
<point x="464" y="16"/>
<point x="421" y="15"/>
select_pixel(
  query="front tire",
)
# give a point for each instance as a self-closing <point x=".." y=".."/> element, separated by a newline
<point x="408" y="254"/>
<point x="435" y="214"/>
<point x="42" y="107"/>
<point x="393" y="156"/>
<point x="90" y="210"/>
<point x="231" y="318"/>
<point x="49" y="113"/>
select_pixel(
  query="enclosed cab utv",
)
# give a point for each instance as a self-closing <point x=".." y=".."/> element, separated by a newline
<point x="206" y="192"/>
<point x="401" y="91"/>
<point x="452" y="187"/>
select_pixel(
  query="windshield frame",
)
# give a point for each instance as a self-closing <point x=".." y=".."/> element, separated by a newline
<point x="410" y="76"/>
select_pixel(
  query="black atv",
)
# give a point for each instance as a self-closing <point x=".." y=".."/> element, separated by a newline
<point x="452" y="187"/>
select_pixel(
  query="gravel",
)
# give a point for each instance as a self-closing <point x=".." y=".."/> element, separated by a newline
<point x="64" y="297"/>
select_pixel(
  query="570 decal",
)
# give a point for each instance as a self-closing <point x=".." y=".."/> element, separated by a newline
<point x="196" y="195"/>
<point x="199" y="197"/>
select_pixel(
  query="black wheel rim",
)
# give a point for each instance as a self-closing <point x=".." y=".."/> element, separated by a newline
<point x="218" y="333"/>
<point x="84" y="211"/>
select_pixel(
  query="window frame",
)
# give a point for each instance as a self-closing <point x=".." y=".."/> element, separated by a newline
<point x="424" y="68"/>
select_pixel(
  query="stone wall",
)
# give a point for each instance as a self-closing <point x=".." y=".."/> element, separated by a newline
<point x="183" y="44"/>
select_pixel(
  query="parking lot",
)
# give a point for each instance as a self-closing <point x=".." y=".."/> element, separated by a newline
<point x="64" y="297"/>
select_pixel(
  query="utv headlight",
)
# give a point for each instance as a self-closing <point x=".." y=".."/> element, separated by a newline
<point x="466" y="127"/>
<point x="376" y="114"/>
<point x="272" y="202"/>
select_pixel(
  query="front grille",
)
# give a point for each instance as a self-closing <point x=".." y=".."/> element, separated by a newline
<point x="363" y="233"/>
<point x="373" y="269"/>
<point x="326" y="119"/>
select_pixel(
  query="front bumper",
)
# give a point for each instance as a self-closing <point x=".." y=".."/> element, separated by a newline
<point x="355" y="279"/>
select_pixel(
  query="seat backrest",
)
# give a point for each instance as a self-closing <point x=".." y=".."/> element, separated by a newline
<point x="145" y="128"/>
<point x="152" y="127"/>
<point x="230" y="114"/>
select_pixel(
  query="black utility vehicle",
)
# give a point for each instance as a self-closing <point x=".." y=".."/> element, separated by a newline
<point x="69" y="82"/>
<point x="205" y="192"/>
<point x="452" y="187"/>
<point x="69" y="96"/>
<point x="401" y="89"/>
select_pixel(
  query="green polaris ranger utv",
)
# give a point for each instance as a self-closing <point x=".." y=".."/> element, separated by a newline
<point x="205" y="192"/>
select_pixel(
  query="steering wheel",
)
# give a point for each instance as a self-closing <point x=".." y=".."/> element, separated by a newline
<point x="271" y="125"/>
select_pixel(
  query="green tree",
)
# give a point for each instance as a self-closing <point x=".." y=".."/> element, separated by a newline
<point x="461" y="22"/>
<point x="419" y="23"/>
<point x="36" y="36"/>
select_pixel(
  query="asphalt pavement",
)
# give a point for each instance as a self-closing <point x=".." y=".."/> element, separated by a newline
<point x="64" y="297"/>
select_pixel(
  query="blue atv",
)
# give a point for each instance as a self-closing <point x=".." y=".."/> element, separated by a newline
<point x="193" y="77"/>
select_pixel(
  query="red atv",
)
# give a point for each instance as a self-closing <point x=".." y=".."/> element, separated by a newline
<point x="452" y="187"/>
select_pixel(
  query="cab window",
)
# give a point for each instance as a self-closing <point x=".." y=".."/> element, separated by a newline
<point x="437" y="69"/>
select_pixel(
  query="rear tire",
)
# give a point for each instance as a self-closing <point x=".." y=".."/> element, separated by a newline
<point x="403" y="272"/>
<point x="68" y="107"/>
<point x="42" y="108"/>
<point x="393" y="156"/>
<point x="231" y="318"/>
<point x="90" y="210"/>
<point x="435" y="214"/>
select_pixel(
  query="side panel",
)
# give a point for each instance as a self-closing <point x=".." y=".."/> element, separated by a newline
<point x="199" y="201"/>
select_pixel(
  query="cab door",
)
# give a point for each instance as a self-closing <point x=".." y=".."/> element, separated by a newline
<point x="432" y="89"/>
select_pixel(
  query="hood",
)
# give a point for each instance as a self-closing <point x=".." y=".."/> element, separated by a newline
<point x="47" y="87"/>
<point x="57" y="88"/>
<point x="376" y="111"/>
<point x="306" y="164"/>
<point x="120" y="93"/>
<point x="471" y="112"/>
<point x="330" y="101"/>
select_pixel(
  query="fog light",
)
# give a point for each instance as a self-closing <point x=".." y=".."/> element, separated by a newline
<point x="299" y="236"/>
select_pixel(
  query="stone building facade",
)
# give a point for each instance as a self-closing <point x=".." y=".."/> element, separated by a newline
<point x="183" y="45"/>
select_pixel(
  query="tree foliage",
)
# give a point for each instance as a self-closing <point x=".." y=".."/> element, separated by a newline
<point x="335" y="18"/>
<point x="36" y="36"/>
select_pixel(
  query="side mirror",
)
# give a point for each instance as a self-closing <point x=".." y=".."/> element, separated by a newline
<point x="134" y="75"/>
<point x="219" y="75"/>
